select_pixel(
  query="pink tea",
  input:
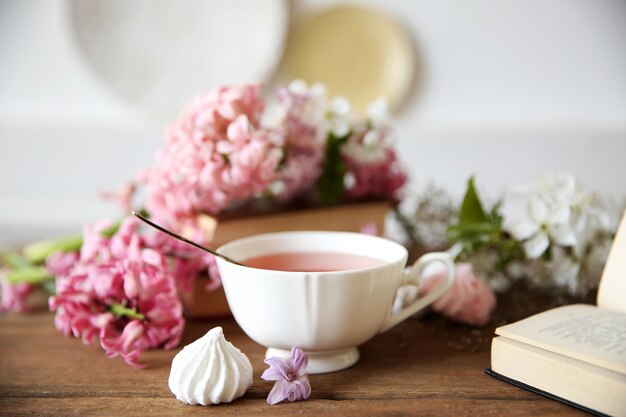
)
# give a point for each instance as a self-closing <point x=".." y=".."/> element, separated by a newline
<point x="312" y="261"/>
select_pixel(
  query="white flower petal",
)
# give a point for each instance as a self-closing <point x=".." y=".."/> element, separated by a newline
<point x="565" y="271"/>
<point x="340" y="127"/>
<point x="371" y="138"/>
<point x="298" y="86"/>
<point x="318" y="91"/>
<point x="560" y="215"/>
<point x="538" y="209"/>
<point x="340" y="106"/>
<point x="349" y="180"/>
<point x="536" y="246"/>
<point x="580" y="223"/>
<point x="524" y="229"/>
<point x="564" y="236"/>
<point x="274" y="116"/>
<point x="389" y="139"/>
<point x="603" y="219"/>
<point x="378" y="113"/>
<point x="565" y="188"/>
<point x="277" y="187"/>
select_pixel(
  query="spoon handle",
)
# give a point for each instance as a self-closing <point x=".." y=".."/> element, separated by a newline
<point x="184" y="239"/>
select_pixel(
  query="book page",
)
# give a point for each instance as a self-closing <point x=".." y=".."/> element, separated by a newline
<point x="612" y="291"/>
<point x="581" y="331"/>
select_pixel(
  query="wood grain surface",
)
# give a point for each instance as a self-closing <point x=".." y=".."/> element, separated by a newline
<point x="423" y="366"/>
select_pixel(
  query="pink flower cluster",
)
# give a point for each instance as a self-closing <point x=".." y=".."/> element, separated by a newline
<point x="119" y="289"/>
<point x="301" y="113"/>
<point x="470" y="300"/>
<point x="186" y="261"/>
<point x="373" y="168"/>
<point x="226" y="150"/>
<point x="215" y="155"/>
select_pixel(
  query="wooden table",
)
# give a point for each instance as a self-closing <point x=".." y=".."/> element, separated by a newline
<point x="423" y="366"/>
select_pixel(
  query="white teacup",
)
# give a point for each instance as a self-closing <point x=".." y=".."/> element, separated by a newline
<point x="327" y="314"/>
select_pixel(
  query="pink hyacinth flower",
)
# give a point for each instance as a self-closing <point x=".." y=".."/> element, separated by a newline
<point x="61" y="263"/>
<point x="120" y="290"/>
<point x="215" y="155"/>
<point x="292" y="381"/>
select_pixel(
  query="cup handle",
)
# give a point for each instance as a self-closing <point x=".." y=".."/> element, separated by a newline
<point x="413" y="277"/>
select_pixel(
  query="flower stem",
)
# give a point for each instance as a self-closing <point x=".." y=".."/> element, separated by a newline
<point x="122" y="311"/>
<point x="330" y="184"/>
<point x="38" y="252"/>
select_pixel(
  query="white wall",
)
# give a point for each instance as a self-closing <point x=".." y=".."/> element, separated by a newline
<point x="508" y="88"/>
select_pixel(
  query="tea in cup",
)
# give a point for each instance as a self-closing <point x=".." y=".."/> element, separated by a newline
<point x="325" y="292"/>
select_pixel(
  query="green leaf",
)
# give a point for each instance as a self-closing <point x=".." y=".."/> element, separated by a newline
<point x="13" y="259"/>
<point x="472" y="209"/>
<point x="479" y="231"/>
<point x="330" y="184"/>
<point x="471" y="228"/>
<point x="29" y="274"/>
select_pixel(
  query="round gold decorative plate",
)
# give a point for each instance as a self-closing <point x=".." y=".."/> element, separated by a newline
<point x="357" y="52"/>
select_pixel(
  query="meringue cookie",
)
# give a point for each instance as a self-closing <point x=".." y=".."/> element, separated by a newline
<point x="210" y="371"/>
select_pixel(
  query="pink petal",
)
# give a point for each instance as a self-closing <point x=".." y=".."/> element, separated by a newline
<point x="299" y="360"/>
<point x="369" y="228"/>
<point x="302" y="390"/>
<point x="279" y="369"/>
<point x="280" y="392"/>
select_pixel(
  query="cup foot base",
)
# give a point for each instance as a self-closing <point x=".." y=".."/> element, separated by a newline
<point x="323" y="362"/>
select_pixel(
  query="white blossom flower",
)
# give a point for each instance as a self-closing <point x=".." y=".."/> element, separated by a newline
<point x="378" y="113"/>
<point x="274" y="115"/>
<point x="546" y="221"/>
<point x="369" y="148"/>
<point x="339" y="116"/>
<point x="313" y="110"/>
<point x="564" y="270"/>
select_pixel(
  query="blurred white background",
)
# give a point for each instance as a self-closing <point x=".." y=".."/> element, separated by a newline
<point x="507" y="89"/>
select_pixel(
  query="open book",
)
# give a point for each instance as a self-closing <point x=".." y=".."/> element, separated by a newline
<point x="577" y="353"/>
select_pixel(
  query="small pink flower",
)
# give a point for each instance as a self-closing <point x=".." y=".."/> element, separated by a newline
<point x="369" y="228"/>
<point x="61" y="263"/>
<point x="94" y="243"/>
<point x="13" y="296"/>
<point x="214" y="273"/>
<point x="123" y="196"/>
<point x="470" y="300"/>
<point x="292" y="381"/>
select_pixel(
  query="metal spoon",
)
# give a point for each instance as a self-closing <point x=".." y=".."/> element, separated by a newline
<point x="179" y="237"/>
